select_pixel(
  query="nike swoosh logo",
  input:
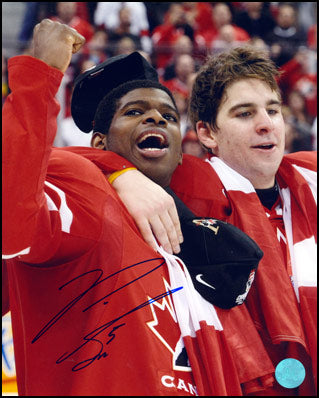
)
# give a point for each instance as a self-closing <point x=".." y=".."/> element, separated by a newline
<point x="200" y="280"/>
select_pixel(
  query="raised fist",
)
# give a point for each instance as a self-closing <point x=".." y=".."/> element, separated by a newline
<point x="54" y="43"/>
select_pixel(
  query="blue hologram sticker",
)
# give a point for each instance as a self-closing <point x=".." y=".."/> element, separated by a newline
<point x="290" y="373"/>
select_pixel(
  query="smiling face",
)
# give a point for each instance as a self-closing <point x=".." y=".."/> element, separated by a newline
<point x="250" y="136"/>
<point x="145" y="130"/>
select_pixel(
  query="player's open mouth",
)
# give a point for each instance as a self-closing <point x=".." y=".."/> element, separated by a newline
<point x="152" y="144"/>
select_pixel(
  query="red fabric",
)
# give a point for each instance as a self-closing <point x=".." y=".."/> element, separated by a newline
<point x="312" y="37"/>
<point x="163" y="38"/>
<point x="217" y="373"/>
<point x="176" y="85"/>
<point x="91" y="234"/>
<point x="294" y="77"/>
<point x="203" y="20"/>
<point x="81" y="316"/>
<point x="113" y="161"/>
<point x="82" y="10"/>
<point x="308" y="304"/>
<point x="255" y="355"/>
<point x="272" y="307"/>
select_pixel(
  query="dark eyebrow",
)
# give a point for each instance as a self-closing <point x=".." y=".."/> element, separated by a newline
<point x="250" y="104"/>
<point x="145" y="104"/>
<point x="137" y="102"/>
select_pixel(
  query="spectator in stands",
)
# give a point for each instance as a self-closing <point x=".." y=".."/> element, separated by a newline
<point x="259" y="43"/>
<point x="312" y="37"/>
<point x="182" y="105"/>
<point x="199" y="16"/>
<point x="300" y="73"/>
<point x="183" y="45"/>
<point x="225" y="39"/>
<point x="123" y="32"/>
<point x="165" y="35"/>
<point x="301" y="122"/>
<point x="306" y="14"/>
<point x="97" y="49"/>
<point x="35" y="11"/>
<point x="222" y="16"/>
<point x="84" y="10"/>
<point x="290" y="132"/>
<point x="126" y="45"/>
<point x="255" y="18"/>
<point x="66" y="14"/>
<point x="184" y="67"/>
<point x="155" y="13"/>
<point x="107" y="15"/>
<point x="286" y="37"/>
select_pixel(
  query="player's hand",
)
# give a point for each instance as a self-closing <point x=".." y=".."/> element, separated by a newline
<point x="152" y="208"/>
<point x="54" y="43"/>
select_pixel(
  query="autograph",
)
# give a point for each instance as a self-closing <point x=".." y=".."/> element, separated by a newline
<point x="91" y="337"/>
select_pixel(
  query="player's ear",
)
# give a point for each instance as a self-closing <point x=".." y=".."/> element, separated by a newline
<point x="206" y="135"/>
<point x="98" y="141"/>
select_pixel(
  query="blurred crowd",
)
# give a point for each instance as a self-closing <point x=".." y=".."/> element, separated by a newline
<point x="176" y="38"/>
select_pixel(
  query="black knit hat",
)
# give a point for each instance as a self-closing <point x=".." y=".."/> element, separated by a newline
<point x="94" y="84"/>
<point x="221" y="259"/>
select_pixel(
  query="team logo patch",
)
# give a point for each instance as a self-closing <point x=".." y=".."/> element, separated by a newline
<point x="208" y="223"/>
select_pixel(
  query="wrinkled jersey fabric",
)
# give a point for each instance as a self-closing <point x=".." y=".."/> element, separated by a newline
<point x="91" y="303"/>
<point x="283" y="313"/>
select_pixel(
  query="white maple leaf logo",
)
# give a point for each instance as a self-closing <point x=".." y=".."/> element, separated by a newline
<point x="162" y="323"/>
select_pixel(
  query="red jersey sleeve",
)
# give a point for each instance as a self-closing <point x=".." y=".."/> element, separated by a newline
<point x="29" y="127"/>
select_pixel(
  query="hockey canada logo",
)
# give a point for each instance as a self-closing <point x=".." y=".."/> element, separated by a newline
<point x="163" y="316"/>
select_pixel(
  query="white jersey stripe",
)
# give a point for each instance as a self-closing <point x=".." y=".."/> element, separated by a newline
<point x="65" y="213"/>
<point x="20" y="253"/>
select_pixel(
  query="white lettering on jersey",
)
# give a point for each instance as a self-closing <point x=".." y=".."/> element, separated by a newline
<point x="181" y="385"/>
<point x="170" y="382"/>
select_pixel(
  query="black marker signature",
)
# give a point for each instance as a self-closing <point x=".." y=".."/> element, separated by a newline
<point x="90" y="337"/>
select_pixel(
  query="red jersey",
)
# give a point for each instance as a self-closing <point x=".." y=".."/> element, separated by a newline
<point x="90" y="301"/>
<point x="271" y="325"/>
<point x="284" y="311"/>
<point x="92" y="304"/>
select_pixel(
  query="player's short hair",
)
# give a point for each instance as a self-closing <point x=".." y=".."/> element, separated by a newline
<point x="219" y="72"/>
